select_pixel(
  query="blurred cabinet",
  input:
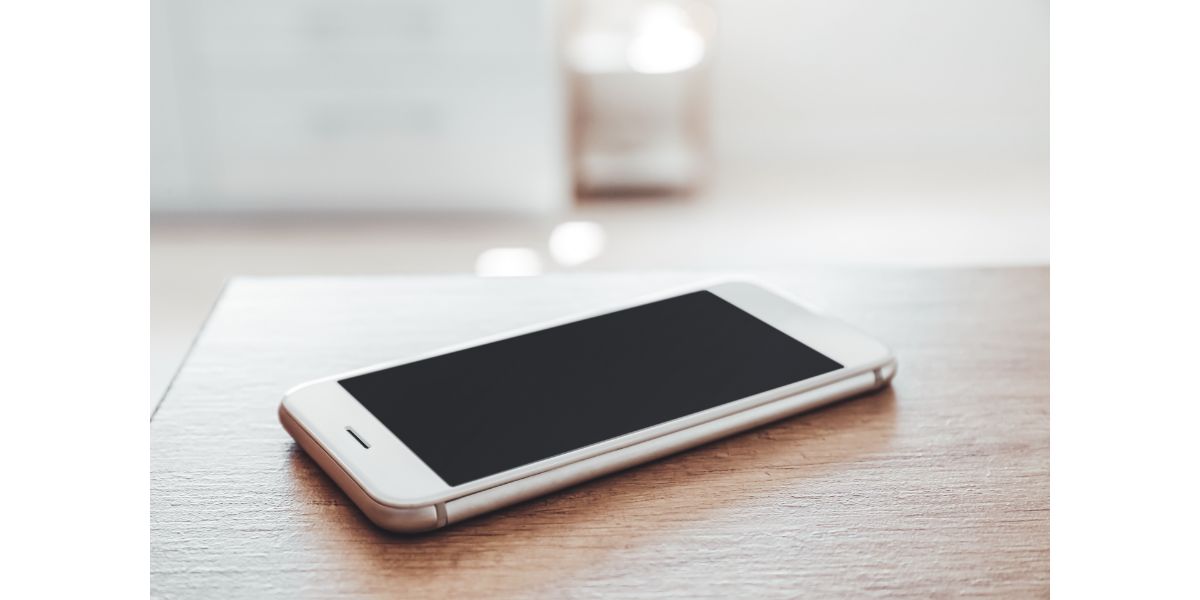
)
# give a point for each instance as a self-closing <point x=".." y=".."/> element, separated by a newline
<point x="450" y="105"/>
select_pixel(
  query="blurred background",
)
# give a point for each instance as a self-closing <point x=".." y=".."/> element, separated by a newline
<point x="522" y="137"/>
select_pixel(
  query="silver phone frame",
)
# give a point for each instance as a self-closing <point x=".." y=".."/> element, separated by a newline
<point x="398" y="492"/>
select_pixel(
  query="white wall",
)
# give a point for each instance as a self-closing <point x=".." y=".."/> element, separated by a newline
<point x="443" y="105"/>
<point x="882" y="79"/>
<point x="324" y="104"/>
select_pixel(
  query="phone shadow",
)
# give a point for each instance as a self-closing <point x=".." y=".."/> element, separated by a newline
<point x="547" y="539"/>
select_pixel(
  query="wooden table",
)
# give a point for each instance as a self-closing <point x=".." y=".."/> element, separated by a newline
<point x="937" y="487"/>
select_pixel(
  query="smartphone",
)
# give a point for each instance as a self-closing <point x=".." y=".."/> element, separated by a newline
<point x="440" y="438"/>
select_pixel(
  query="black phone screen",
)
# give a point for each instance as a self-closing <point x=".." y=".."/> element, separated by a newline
<point x="490" y="408"/>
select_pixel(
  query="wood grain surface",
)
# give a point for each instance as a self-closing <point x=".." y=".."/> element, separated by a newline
<point x="937" y="487"/>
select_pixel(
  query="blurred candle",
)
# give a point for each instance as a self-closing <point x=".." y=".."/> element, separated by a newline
<point x="508" y="262"/>
<point x="576" y="242"/>
<point x="639" y="76"/>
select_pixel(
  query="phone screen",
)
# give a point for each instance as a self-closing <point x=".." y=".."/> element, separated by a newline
<point x="490" y="408"/>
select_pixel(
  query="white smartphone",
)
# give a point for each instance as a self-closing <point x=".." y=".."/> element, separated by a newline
<point x="439" y="438"/>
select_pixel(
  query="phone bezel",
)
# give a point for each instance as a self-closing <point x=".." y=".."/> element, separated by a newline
<point x="391" y="474"/>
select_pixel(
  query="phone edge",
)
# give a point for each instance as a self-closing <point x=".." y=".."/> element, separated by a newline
<point x="439" y="514"/>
